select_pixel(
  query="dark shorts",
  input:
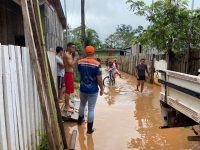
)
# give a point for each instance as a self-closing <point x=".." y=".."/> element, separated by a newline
<point x="142" y="78"/>
<point x="60" y="82"/>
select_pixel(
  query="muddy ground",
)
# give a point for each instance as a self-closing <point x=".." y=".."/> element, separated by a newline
<point x="126" y="119"/>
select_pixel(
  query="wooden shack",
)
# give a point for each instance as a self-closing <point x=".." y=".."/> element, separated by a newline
<point x="12" y="28"/>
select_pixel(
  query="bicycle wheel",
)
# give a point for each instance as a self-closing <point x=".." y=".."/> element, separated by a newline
<point x="106" y="81"/>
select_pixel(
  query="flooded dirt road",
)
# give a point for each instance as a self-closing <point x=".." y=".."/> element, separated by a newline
<point x="126" y="119"/>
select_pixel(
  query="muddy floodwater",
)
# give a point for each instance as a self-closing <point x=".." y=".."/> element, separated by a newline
<point x="126" y="119"/>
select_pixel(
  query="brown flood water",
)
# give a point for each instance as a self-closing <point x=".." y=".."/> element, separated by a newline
<point x="126" y="119"/>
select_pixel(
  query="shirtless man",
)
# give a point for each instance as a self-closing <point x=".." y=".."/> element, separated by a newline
<point x="69" y="63"/>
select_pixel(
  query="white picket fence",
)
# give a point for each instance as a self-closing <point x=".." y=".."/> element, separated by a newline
<point x="21" y="120"/>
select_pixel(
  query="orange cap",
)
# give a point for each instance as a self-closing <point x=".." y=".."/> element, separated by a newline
<point x="89" y="50"/>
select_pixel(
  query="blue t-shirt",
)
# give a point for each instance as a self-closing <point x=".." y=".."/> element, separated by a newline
<point x="60" y="70"/>
<point x="89" y="69"/>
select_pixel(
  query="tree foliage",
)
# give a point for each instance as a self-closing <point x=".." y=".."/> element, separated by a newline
<point x="92" y="38"/>
<point x="122" y="37"/>
<point x="172" y="25"/>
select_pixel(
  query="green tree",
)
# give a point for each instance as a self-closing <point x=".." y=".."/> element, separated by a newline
<point x="92" y="37"/>
<point x="173" y="28"/>
<point x="122" y="37"/>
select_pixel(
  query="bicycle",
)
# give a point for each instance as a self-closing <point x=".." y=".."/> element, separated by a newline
<point x="108" y="80"/>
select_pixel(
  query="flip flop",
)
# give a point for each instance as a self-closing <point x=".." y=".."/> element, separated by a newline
<point x="72" y="110"/>
<point x="76" y="110"/>
<point x="71" y="107"/>
<point x="60" y="101"/>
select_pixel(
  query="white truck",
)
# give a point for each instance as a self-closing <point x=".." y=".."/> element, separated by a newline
<point x="180" y="100"/>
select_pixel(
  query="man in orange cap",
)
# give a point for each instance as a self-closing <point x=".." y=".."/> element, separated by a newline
<point x="90" y="82"/>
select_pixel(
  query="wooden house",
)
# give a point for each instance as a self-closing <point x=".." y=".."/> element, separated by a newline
<point x="12" y="28"/>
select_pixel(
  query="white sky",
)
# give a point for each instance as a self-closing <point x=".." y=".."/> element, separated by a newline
<point x="105" y="15"/>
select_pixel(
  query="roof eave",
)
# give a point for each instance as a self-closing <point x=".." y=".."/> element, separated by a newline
<point x="58" y="7"/>
<point x="17" y="1"/>
<point x="61" y="15"/>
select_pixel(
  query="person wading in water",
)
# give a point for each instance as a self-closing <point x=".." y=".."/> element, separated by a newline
<point x="141" y="69"/>
<point x="90" y="83"/>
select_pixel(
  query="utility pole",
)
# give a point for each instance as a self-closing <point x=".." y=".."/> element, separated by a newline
<point x="65" y="5"/>
<point x="83" y="22"/>
<point x="192" y="4"/>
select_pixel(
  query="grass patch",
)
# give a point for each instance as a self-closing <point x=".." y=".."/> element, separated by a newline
<point x="44" y="143"/>
<point x="77" y="78"/>
<point x="76" y="81"/>
<point x="76" y="86"/>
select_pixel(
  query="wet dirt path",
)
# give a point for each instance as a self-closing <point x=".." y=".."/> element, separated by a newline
<point x="126" y="119"/>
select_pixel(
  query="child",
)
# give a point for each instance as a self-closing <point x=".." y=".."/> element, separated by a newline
<point x="116" y="71"/>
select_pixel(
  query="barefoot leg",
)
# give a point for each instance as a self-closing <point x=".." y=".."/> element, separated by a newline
<point x="142" y="86"/>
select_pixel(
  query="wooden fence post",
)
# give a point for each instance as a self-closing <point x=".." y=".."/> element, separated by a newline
<point x="37" y="27"/>
<point x="16" y="100"/>
<point x="41" y="52"/>
<point x="20" y="78"/>
<point x="8" y="100"/>
<point x="60" y="121"/>
<point x="37" y="71"/>
<point x="152" y="69"/>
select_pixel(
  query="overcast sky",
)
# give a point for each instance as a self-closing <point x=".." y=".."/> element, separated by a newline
<point x="105" y="15"/>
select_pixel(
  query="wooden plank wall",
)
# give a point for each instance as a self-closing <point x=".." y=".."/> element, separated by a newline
<point x="128" y="63"/>
<point x="53" y="65"/>
<point x="10" y="11"/>
<point x="21" y="120"/>
<point x="180" y="64"/>
<point x="53" y="29"/>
